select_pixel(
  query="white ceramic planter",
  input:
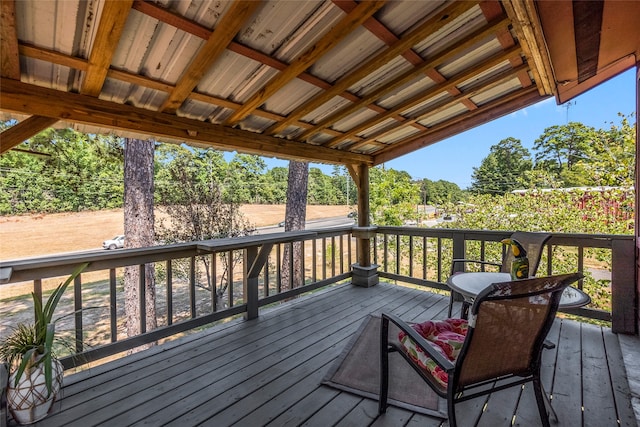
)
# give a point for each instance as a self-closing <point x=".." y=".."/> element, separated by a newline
<point x="29" y="400"/>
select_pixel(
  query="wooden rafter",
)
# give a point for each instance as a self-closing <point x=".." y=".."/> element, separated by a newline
<point x="436" y="22"/>
<point x="229" y="25"/>
<point x="24" y="130"/>
<point x="405" y="78"/>
<point x="528" y="29"/>
<point x="9" y="57"/>
<point x="112" y="21"/>
<point x="426" y="95"/>
<point x="25" y="98"/>
<point x="346" y="25"/>
<point x="124" y="76"/>
<point x="492" y="10"/>
<point x="10" y="68"/>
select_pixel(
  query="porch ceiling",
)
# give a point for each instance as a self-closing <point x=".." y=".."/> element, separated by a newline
<point x="327" y="81"/>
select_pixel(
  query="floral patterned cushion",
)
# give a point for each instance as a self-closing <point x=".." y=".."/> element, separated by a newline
<point x="446" y="336"/>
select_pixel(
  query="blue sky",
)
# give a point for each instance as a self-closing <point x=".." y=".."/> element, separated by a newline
<point x="453" y="159"/>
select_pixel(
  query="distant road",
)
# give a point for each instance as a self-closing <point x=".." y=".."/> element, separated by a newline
<point x="338" y="221"/>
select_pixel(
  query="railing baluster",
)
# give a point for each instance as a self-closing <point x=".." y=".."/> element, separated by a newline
<point x="314" y="257"/>
<point x="398" y="258"/>
<point x="169" y="292"/>
<point x="410" y="256"/>
<point x="77" y="307"/>
<point x="580" y="264"/>
<point x="192" y="286"/>
<point x="113" y="312"/>
<point x="302" y="272"/>
<point x="439" y="259"/>
<point x="214" y="284"/>
<point x="424" y="257"/>
<point x="266" y="277"/>
<point x="324" y="258"/>
<point x="230" y="278"/>
<point x="142" y="296"/>
<point x="341" y="253"/>
<point x="385" y="253"/>
<point x="333" y="255"/>
<point x="279" y="267"/>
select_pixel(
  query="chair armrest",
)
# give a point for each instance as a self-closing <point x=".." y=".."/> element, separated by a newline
<point x="440" y="360"/>
<point x="456" y="261"/>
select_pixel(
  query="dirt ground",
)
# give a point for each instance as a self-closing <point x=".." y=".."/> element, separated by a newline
<point x="33" y="235"/>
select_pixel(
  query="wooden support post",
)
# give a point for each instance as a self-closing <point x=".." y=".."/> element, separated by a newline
<point x="254" y="261"/>
<point x="637" y="215"/>
<point x="623" y="287"/>
<point x="364" y="272"/>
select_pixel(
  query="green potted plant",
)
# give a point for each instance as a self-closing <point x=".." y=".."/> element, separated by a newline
<point x="35" y="375"/>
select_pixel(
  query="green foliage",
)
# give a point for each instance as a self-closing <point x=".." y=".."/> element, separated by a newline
<point x="439" y="192"/>
<point x="503" y="170"/>
<point x="71" y="172"/>
<point x="558" y="211"/>
<point x="393" y="196"/>
<point x="571" y="155"/>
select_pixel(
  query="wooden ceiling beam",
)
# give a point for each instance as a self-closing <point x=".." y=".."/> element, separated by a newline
<point x="10" y="68"/>
<point x="346" y="26"/>
<point x="528" y="28"/>
<point x="227" y="28"/>
<point x="164" y="15"/>
<point x="112" y="21"/>
<point x="467" y="74"/>
<point x="490" y="111"/>
<point x="136" y="79"/>
<point x="9" y="56"/>
<point x="25" y="98"/>
<point x="406" y="78"/>
<point x="436" y="22"/>
<point x="18" y="133"/>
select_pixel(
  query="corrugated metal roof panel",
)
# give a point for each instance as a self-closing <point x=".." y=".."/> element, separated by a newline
<point x="502" y="89"/>
<point x="398" y="135"/>
<point x="408" y="91"/>
<point x="434" y="119"/>
<point x="347" y="56"/>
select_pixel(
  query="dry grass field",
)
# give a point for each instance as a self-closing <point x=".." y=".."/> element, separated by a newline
<point x="28" y="236"/>
<point x="33" y="235"/>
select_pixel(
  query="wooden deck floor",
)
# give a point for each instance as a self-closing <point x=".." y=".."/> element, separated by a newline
<point x="268" y="372"/>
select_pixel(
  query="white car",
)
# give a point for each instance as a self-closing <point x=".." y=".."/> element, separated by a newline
<point x="115" y="243"/>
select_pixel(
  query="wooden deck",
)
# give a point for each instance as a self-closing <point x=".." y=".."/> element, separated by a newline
<point x="268" y="372"/>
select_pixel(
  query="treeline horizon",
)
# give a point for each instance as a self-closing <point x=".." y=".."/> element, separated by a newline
<point x="62" y="170"/>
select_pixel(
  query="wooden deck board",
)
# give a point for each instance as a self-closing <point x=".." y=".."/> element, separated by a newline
<point x="268" y="371"/>
<point x="597" y="395"/>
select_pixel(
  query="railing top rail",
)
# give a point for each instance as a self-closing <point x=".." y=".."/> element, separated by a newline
<point x="19" y="270"/>
<point x="491" y="234"/>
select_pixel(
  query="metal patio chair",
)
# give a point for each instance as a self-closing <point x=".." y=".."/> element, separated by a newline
<point x="504" y="341"/>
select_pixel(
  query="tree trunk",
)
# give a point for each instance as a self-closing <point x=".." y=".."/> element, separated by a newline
<point x="138" y="231"/>
<point x="295" y="219"/>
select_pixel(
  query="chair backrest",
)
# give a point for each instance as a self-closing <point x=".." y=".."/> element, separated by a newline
<point x="507" y="328"/>
<point x="533" y="244"/>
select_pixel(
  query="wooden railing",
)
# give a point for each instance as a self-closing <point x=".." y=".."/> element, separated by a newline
<point x="422" y="256"/>
<point x="191" y="293"/>
<point x="196" y="283"/>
